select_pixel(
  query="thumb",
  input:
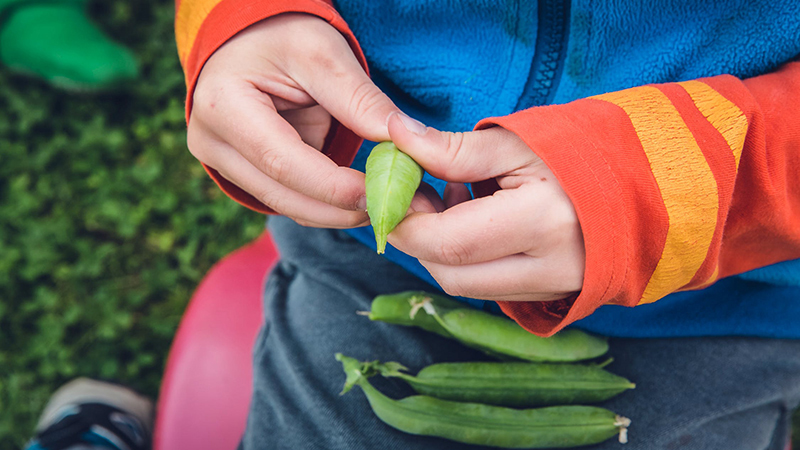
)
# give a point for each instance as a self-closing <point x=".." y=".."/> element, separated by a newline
<point x="459" y="157"/>
<point x="349" y="95"/>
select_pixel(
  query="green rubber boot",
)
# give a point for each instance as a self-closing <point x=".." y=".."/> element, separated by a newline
<point x="56" y="41"/>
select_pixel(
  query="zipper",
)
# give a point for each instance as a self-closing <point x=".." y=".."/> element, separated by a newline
<point x="548" y="58"/>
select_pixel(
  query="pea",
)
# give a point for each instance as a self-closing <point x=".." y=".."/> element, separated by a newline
<point x="516" y="384"/>
<point x="392" y="178"/>
<point x="480" y="424"/>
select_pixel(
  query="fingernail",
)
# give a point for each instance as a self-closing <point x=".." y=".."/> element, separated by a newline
<point x="361" y="204"/>
<point x="412" y="125"/>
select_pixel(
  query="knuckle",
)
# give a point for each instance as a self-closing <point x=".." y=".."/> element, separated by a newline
<point x="339" y="191"/>
<point x="205" y="99"/>
<point x="451" y="252"/>
<point x="271" y="198"/>
<point x="453" y="152"/>
<point x="364" y="100"/>
<point x="452" y="286"/>
<point x="330" y="193"/>
<point x="273" y="164"/>
<point x="321" y="52"/>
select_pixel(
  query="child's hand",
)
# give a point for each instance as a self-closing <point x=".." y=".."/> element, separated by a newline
<point x="522" y="243"/>
<point x="263" y="107"/>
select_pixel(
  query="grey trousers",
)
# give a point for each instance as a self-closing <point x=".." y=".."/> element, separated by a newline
<point x="725" y="393"/>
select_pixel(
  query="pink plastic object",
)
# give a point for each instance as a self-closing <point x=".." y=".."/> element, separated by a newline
<point x="207" y="384"/>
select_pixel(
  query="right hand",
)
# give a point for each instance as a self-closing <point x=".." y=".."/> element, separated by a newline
<point x="262" y="109"/>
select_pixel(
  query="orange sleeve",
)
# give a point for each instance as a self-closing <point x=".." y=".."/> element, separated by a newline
<point x="675" y="186"/>
<point x="202" y="26"/>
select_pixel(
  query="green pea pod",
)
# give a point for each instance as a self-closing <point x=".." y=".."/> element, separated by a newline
<point x="480" y="424"/>
<point x="501" y="335"/>
<point x="515" y="384"/>
<point x="392" y="178"/>
<point x="405" y="308"/>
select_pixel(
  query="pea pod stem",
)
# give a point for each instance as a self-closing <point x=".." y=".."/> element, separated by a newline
<point x="474" y="423"/>
<point x="403" y="308"/>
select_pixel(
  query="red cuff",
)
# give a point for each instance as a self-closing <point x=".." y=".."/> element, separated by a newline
<point x="675" y="186"/>
<point x="569" y="147"/>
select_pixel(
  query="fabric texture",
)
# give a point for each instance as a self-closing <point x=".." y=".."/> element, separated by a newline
<point x="712" y="197"/>
<point x="691" y="393"/>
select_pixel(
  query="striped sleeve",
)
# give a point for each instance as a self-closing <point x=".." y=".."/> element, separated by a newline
<point x="202" y="26"/>
<point x="675" y="186"/>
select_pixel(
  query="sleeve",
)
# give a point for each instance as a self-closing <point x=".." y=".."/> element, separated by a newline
<point x="202" y="26"/>
<point x="675" y="185"/>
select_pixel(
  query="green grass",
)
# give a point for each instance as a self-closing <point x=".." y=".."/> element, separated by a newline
<point x="107" y="224"/>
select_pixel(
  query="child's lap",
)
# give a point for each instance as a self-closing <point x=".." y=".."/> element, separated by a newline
<point x="692" y="393"/>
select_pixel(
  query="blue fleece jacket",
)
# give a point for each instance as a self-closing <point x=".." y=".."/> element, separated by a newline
<point x="452" y="63"/>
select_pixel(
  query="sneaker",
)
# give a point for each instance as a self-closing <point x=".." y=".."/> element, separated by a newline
<point x="87" y="414"/>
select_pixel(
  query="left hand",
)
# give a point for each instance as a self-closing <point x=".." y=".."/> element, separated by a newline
<point x="523" y="243"/>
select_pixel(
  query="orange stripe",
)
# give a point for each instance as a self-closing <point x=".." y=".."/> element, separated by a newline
<point x="720" y="112"/>
<point x="685" y="180"/>
<point x="191" y="14"/>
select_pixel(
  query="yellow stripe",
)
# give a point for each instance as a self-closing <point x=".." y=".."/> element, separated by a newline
<point x="684" y="178"/>
<point x="191" y="14"/>
<point x="711" y="280"/>
<point x="720" y="112"/>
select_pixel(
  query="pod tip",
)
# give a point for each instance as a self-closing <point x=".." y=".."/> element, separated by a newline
<point x="381" y="246"/>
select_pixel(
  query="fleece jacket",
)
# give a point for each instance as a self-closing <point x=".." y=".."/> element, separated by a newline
<point x="670" y="125"/>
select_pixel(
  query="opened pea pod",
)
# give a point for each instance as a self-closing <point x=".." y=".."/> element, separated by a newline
<point x="392" y="178"/>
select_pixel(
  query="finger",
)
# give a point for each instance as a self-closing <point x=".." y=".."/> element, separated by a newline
<point x="455" y="193"/>
<point x="303" y="209"/>
<point x="513" y="278"/>
<point x="508" y="222"/>
<point x="312" y="124"/>
<point x="461" y="157"/>
<point x="239" y="171"/>
<point x="243" y="117"/>
<point x="426" y="200"/>
<point x="337" y="81"/>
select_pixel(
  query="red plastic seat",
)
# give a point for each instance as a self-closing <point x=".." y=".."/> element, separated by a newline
<point x="207" y="384"/>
